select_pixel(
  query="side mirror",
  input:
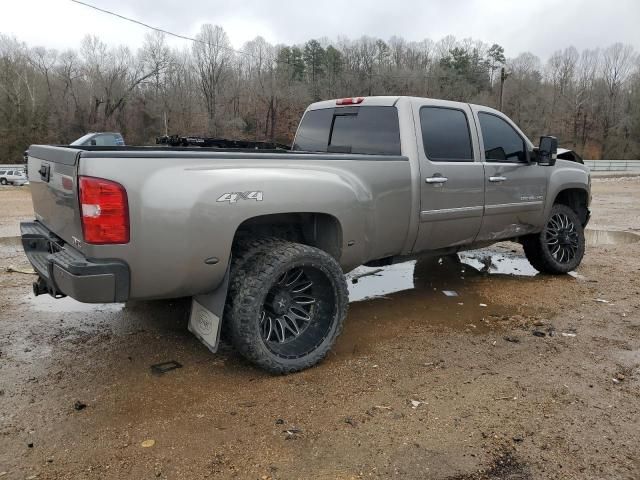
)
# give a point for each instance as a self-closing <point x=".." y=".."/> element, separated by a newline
<point x="548" y="151"/>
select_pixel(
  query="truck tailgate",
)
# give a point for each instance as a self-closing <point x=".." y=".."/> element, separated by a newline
<point x="54" y="189"/>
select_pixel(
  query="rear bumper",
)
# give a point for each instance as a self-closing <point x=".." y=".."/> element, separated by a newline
<point x="63" y="270"/>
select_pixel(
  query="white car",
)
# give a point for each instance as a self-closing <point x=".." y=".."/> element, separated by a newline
<point x="13" y="176"/>
<point x="566" y="154"/>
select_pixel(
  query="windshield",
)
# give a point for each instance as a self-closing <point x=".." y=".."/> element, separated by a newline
<point x="82" y="139"/>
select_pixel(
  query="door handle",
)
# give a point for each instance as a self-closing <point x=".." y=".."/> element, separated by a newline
<point x="45" y="172"/>
<point x="497" y="179"/>
<point x="436" y="179"/>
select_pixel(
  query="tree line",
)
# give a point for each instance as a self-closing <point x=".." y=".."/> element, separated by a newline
<point x="589" y="99"/>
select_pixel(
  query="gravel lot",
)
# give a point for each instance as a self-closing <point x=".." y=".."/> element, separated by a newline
<point x="420" y="385"/>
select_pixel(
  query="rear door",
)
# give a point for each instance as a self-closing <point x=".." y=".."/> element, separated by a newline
<point x="452" y="177"/>
<point x="515" y="189"/>
<point x="54" y="190"/>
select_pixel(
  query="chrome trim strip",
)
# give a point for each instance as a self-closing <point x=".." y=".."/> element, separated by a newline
<point x="501" y="208"/>
<point x="451" y="213"/>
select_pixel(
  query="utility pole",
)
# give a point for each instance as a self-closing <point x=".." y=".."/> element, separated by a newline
<point x="503" y="77"/>
<point x="166" y="126"/>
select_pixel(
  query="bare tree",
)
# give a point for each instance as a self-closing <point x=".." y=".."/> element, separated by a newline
<point x="589" y="99"/>
<point x="212" y="57"/>
<point x="617" y="63"/>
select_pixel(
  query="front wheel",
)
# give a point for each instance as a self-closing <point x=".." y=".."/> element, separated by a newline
<point x="559" y="248"/>
<point x="3" y="181"/>
<point x="290" y="304"/>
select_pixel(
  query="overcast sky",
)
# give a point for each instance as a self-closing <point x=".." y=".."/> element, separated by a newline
<point x="539" y="26"/>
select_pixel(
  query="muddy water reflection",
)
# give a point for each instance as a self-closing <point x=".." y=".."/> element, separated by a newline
<point x="405" y="299"/>
<point x="370" y="282"/>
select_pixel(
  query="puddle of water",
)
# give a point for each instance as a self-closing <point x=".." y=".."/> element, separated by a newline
<point x="595" y="238"/>
<point x="371" y="282"/>
<point x="495" y="262"/>
<point x="406" y="298"/>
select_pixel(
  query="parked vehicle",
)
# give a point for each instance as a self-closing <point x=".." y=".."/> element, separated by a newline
<point x="12" y="177"/>
<point x="100" y="139"/>
<point x="261" y="240"/>
<point x="572" y="156"/>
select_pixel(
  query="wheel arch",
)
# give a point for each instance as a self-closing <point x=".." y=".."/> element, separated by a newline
<point x="320" y="230"/>
<point x="577" y="199"/>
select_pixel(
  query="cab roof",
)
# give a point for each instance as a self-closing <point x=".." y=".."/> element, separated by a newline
<point x="383" y="101"/>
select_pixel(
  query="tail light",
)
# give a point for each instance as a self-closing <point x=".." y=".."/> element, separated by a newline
<point x="350" y="101"/>
<point x="105" y="211"/>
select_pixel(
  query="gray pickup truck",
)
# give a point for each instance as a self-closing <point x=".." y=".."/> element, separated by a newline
<point x="261" y="240"/>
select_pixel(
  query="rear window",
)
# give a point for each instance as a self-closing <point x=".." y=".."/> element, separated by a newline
<point x="366" y="130"/>
<point x="445" y="134"/>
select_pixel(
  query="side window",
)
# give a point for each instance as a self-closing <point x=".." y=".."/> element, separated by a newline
<point x="445" y="134"/>
<point x="101" y="140"/>
<point x="109" y="140"/>
<point x="501" y="142"/>
<point x="313" y="133"/>
<point x="2" y="172"/>
<point x="10" y="172"/>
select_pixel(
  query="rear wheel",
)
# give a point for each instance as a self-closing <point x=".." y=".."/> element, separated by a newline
<point x="559" y="248"/>
<point x="244" y="249"/>
<point x="289" y="307"/>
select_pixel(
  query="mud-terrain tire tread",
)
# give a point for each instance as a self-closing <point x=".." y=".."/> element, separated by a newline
<point x="244" y="248"/>
<point x="261" y="270"/>
<point x="538" y="254"/>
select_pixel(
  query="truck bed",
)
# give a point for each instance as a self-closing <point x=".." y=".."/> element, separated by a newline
<point x="185" y="205"/>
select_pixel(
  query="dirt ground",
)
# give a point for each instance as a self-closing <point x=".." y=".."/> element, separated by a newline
<point x="420" y="385"/>
<point x="15" y="207"/>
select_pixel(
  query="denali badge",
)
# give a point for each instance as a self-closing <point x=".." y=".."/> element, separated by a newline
<point x="233" y="197"/>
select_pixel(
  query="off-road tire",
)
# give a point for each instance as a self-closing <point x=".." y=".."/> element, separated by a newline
<point x="244" y="248"/>
<point x="258" y="276"/>
<point x="539" y="253"/>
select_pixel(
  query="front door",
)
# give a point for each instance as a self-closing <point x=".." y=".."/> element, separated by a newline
<point x="515" y="189"/>
<point x="452" y="176"/>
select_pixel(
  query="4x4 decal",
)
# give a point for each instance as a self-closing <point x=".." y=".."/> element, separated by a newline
<point x="233" y="197"/>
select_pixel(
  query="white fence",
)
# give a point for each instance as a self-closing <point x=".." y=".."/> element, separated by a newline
<point x="613" y="165"/>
